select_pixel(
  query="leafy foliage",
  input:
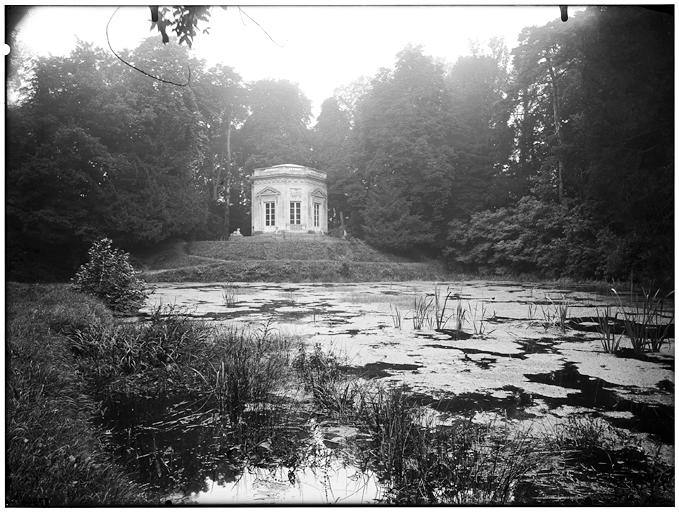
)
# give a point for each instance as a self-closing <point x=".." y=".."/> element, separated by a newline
<point x="183" y="20"/>
<point x="276" y="130"/>
<point x="109" y="275"/>
<point x="532" y="237"/>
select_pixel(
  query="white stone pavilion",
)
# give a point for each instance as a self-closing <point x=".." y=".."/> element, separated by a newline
<point x="289" y="198"/>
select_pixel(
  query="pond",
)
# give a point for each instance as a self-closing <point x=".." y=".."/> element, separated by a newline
<point x="514" y="361"/>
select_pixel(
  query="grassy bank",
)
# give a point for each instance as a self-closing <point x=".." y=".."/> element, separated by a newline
<point x="265" y="247"/>
<point x="66" y="352"/>
<point x="55" y="455"/>
<point x="319" y="259"/>
<point x="300" y="271"/>
<point x="270" y="258"/>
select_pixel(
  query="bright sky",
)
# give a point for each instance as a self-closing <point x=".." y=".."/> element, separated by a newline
<point x="319" y="48"/>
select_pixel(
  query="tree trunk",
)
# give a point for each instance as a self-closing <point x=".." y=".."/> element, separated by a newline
<point x="227" y="183"/>
<point x="344" y="231"/>
<point x="557" y="125"/>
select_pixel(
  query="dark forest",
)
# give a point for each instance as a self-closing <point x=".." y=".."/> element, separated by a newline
<point x="554" y="158"/>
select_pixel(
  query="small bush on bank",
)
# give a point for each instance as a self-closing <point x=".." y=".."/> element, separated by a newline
<point x="109" y="275"/>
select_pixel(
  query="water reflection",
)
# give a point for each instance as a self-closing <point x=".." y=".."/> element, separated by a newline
<point x="181" y="448"/>
<point x="333" y="482"/>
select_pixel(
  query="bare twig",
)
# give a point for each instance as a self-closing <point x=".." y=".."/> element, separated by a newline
<point x="262" y="28"/>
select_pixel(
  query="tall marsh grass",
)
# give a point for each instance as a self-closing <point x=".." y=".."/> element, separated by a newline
<point x="645" y="323"/>
<point x="423" y="463"/>
<point x="170" y="340"/>
<point x="249" y="367"/>
<point x="422" y="313"/>
<point x="560" y="312"/>
<point x="324" y="376"/>
<point x="172" y="352"/>
<point x="395" y="316"/>
<point x="440" y="303"/>
<point x="478" y="318"/>
<point x="229" y="295"/>
<point x="609" y="342"/>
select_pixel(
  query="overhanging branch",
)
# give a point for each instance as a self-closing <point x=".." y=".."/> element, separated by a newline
<point x="108" y="40"/>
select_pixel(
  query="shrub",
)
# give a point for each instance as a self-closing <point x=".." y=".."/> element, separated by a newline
<point x="533" y="236"/>
<point x="109" y="275"/>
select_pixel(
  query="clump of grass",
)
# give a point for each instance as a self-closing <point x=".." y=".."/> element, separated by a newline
<point x="250" y="366"/>
<point x="169" y="342"/>
<point x="426" y="464"/>
<point x="460" y="316"/>
<point x="609" y="342"/>
<point x="229" y="295"/>
<point x="390" y="418"/>
<point x="547" y="317"/>
<point x="556" y="315"/>
<point x="395" y="316"/>
<point x="176" y="353"/>
<point x="644" y="324"/>
<point x="478" y="318"/>
<point x="532" y="309"/>
<point x="596" y="464"/>
<point x="322" y="375"/>
<point x="560" y="312"/>
<point x="422" y="313"/>
<point x="440" y="308"/>
<point x="583" y="432"/>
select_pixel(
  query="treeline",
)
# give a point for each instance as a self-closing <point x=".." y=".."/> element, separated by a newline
<point x="560" y="164"/>
<point x="554" y="158"/>
<point x="95" y="148"/>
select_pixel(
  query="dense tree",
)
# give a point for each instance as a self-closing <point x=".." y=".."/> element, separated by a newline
<point x="483" y="143"/>
<point x="96" y="149"/>
<point x="276" y="129"/>
<point x="220" y="94"/>
<point x="592" y="115"/>
<point x="404" y="133"/>
<point x="332" y="148"/>
<point x="624" y="133"/>
<point x="560" y="164"/>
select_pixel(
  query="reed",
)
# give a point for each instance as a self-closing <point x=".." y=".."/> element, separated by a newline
<point x="477" y="318"/>
<point x="229" y="295"/>
<point x="422" y="312"/>
<point x="609" y="342"/>
<point x="395" y="316"/>
<point x="645" y="323"/>
<point x="422" y="463"/>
